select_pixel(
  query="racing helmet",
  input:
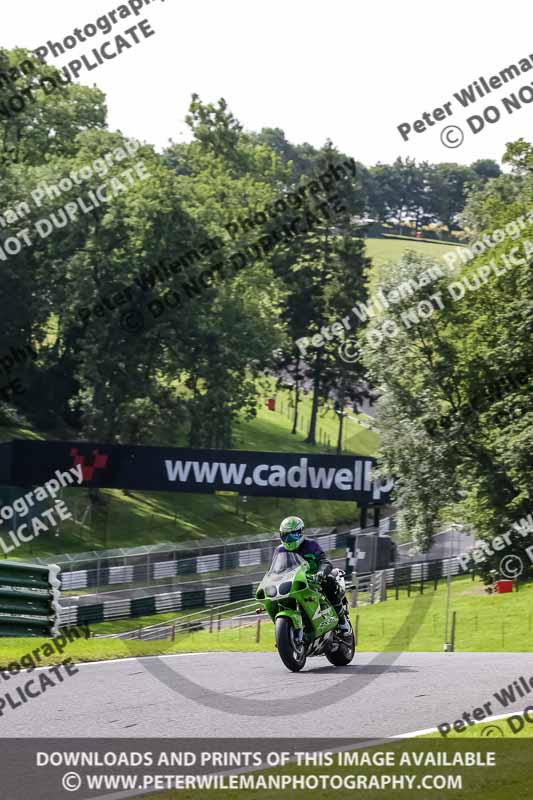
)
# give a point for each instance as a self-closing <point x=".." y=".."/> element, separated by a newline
<point x="291" y="532"/>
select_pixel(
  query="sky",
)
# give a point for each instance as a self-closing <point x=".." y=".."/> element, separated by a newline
<point x="344" y="70"/>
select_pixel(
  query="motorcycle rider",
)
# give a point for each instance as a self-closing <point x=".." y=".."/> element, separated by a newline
<point x="292" y="538"/>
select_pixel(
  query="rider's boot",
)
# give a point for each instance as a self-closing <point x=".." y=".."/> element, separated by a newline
<point x="344" y="626"/>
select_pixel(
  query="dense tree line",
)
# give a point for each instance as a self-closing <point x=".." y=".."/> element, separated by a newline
<point x="456" y="404"/>
<point x="404" y="190"/>
<point x="424" y="193"/>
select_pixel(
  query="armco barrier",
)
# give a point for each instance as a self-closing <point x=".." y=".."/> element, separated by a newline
<point x="422" y="571"/>
<point x="210" y="596"/>
<point x="29" y="600"/>
<point x="156" y="604"/>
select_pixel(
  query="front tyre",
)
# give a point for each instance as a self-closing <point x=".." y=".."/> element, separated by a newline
<point x="290" y="651"/>
<point x="344" y="650"/>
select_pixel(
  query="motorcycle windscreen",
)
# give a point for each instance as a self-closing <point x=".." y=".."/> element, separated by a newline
<point x="284" y="562"/>
<point x="278" y="580"/>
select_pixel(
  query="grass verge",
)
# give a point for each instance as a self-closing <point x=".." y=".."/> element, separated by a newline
<point x="485" y="623"/>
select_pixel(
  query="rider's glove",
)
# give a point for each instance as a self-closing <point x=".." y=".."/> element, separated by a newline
<point x="323" y="573"/>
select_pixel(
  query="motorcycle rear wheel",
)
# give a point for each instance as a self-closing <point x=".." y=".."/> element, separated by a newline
<point x="292" y="654"/>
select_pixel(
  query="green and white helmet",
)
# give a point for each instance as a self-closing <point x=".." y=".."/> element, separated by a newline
<point x="291" y="532"/>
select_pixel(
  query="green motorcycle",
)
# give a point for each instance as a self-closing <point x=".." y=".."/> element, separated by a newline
<point x="306" y="622"/>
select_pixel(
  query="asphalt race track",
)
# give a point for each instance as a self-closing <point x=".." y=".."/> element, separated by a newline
<point x="252" y="694"/>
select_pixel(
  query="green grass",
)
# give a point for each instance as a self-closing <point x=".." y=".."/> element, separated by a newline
<point x="8" y="433"/>
<point x="89" y="649"/>
<point x="383" y="250"/>
<point x="177" y="518"/>
<point x="274" y="427"/>
<point x="485" y="623"/>
<point x="123" y="625"/>
<point x="82" y="650"/>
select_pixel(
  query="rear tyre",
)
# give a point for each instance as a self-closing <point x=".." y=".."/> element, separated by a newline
<point x="344" y="653"/>
<point x="291" y="653"/>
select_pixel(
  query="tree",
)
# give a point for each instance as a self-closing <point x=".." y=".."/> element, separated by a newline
<point x="323" y="273"/>
<point x="447" y="186"/>
<point x="234" y="329"/>
<point x="485" y="169"/>
<point x="519" y="155"/>
<point x="398" y="190"/>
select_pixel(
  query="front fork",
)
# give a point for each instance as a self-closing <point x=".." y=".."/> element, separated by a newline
<point x="297" y="624"/>
<point x="299" y="636"/>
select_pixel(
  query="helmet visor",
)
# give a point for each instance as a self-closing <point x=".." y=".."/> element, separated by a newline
<point x="289" y="538"/>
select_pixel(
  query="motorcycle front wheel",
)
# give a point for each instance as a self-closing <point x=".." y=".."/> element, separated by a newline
<point x="291" y="653"/>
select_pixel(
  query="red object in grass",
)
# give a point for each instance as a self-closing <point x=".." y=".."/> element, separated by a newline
<point x="271" y="403"/>
<point x="502" y="587"/>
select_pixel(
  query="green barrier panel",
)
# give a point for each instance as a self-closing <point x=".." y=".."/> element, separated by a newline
<point x="29" y="600"/>
<point x="143" y="607"/>
<point x="17" y="601"/>
<point x="91" y="613"/>
<point x="25" y="575"/>
<point x="12" y="626"/>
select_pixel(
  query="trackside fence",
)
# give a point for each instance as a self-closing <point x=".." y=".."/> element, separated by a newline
<point x="169" y="564"/>
<point x="371" y="587"/>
